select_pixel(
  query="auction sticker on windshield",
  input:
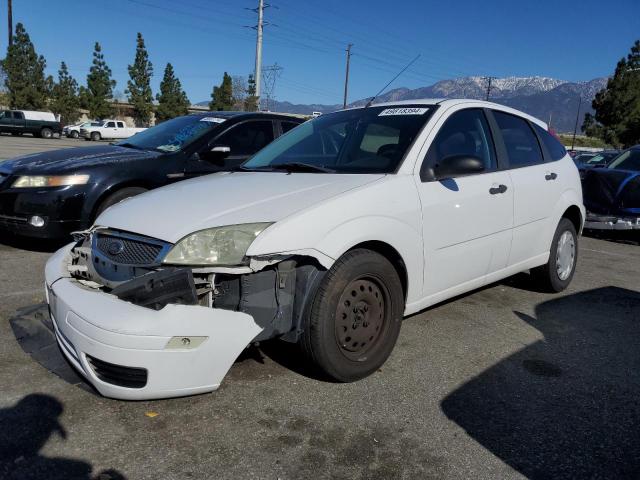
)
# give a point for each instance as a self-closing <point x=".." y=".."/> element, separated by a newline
<point x="212" y="119"/>
<point x="403" y="111"/>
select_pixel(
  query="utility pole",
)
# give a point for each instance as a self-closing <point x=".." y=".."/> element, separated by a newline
<point x="575" y="128"/>
<point x="346" y="78"/>
<point x="488" y="87"/>
<point x="10" y="22"/>
<point x="258" y="72"/>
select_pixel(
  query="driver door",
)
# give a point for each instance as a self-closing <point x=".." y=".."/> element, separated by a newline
<point x="467" y="220"/>
<point x="241" y="141"/>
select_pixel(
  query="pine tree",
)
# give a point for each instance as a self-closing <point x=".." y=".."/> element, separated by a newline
<point x="27" y="86"/>
<point x="618" y="105"/>
<point x="172" y="100"/>
<point x="99" y="91"/>
<point x="64" y="99"/>
<point x="222" y="96"/>
<point x="139" y="87"/>
<point x="251" y="101"/>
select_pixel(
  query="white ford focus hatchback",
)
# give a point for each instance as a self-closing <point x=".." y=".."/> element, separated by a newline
<point x="326" y="238"/>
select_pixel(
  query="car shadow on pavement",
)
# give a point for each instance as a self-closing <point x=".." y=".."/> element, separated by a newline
<point x="24" y="430"/>
<point x="32" y="244"/>
<point x="627" y="237"/>
<point x="565" y="406"/>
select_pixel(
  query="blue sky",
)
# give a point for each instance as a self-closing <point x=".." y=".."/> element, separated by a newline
<point x="567" y="39"/>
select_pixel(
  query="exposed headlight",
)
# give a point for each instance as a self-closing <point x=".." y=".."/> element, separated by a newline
<point x="215" y="246"/>
<point x="34" y="181"/>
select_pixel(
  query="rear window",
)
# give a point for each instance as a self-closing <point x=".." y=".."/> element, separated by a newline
<point x="286" y="126"/>
<point x="554" y="147"/>
<point x="522" y="145"/>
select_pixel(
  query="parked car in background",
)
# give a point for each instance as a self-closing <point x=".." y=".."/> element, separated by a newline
<point x="38" y="124"/>
<point x="54" y="193"/>
<point x="73" y="131"/>
<point x="326" y="238"/>
<point x="612" y="194"/>
<point x="599" y="160"/>
<point x="108" y="130"/>
<point x="581" y="157"/>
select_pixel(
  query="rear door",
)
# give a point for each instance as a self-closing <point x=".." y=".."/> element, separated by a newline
<point x="121" y="130"/>
<point x="467" y="220"/>
<point x="535" y="183"/>
<point x="243" y="140"/>
<point x="19" y="122"/>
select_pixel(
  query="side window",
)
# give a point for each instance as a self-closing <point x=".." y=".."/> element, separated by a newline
<point x="522" y="145"/>
<point x="247" y="138"/>
<point x="111" y="125"/>
<point x="464" y="133"/>
<point x="18" y="115"/>
<point x="120" y="124"/>
<point x="286" y="126"/>
<point x="553" y="145"/>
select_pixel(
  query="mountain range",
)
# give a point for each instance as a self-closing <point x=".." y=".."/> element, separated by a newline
<point x="549" y="99"/>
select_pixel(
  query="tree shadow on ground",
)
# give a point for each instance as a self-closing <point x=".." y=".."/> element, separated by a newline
<point x="566" y="406"/>
<point x="24" y="430"/>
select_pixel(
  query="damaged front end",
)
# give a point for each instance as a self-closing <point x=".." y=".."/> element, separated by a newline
<point x="274" y="290"/>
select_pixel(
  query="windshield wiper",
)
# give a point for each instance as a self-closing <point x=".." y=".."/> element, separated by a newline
<point x="301" y="167"/>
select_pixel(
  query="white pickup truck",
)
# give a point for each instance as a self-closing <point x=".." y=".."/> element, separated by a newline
<point x="110" y="129"/>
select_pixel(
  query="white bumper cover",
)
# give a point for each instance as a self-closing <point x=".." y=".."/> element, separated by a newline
<point x="99" y="325"/>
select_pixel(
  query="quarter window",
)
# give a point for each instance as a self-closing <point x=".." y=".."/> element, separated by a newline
<point x="521" y="143"/>
<point x="465" y="133"/>
<point x="120" y="125"/>
<point x="554" y="147"/>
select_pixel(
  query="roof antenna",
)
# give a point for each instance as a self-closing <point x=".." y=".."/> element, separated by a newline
<point x="392" y="80"/>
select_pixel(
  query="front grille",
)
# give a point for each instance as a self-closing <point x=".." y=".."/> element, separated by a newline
<point x="12" y="220"/>
<point x="127" y="250"/>
<point x="130" y="377"/>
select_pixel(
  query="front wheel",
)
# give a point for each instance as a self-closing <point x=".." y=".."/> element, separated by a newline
<point x="74" y="134"/>
<point x="95" y="136"/>
<point x="355" y="316"/>
<point x="557" y="273"/>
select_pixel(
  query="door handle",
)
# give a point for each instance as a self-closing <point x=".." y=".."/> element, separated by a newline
<point x="551" y="176"/>
<point x="499" y="189"/>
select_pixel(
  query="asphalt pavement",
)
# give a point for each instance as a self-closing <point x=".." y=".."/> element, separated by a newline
<point x="505" y="382"/>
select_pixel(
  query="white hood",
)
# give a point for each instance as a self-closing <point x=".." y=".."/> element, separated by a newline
<point x="172" y="212"/>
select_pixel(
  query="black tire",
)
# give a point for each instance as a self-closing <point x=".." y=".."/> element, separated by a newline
<point x="95" y="136"/>
<point x="46" y="133"/>
<point x="74" y="134"/>
<point x="118" y="196"/>
<point x="355" y="317"/>
<point x="551" y="277"/>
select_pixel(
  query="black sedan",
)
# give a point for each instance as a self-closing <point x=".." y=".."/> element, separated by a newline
<point x="50" y="194"/>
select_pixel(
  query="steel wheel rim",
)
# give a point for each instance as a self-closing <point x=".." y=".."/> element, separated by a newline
<point x="565" y="255"/>
<point x="361" y="317"/>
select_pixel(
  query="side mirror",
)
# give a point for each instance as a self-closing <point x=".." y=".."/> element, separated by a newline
<point x="457" y="166"/>
<point x="216" y="154"/>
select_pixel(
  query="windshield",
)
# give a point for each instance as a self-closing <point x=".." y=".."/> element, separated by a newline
<point x="597" y="160"/>
<point x="629" y="160"/>
<point x="365" y="140"/>
<point x="174" y="134"/>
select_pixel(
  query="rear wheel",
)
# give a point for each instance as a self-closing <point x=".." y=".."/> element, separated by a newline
<point x="355" y="317"/>
<point x="46" y="133"/>
<point x="118" y="196"/>
<point x="95" y="136"/>
<point x="557" y="273"/>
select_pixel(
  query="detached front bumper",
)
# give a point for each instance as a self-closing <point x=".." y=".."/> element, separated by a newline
<point x="609" y="222"/>
<point x="134" y="353"/>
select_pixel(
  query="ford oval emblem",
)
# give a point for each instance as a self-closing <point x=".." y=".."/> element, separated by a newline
<point x="115" y="247"/>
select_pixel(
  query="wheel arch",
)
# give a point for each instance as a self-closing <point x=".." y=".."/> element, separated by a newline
<point x="574" y="215"/>
<point x="113" y="189"/>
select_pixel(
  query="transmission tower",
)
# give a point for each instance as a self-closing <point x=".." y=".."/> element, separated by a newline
<point x="270" y="74"/>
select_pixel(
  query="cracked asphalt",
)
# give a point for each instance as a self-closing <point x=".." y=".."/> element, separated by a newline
<point x="504" y="382"/>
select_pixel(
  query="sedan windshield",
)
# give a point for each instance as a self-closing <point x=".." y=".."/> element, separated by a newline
<point x="365" y="140"/>
<point x="174" y="134"/>
<point x="628" y="160"/>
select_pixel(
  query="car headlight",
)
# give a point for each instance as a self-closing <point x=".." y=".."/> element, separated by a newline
<point x="215" y="246"/>
<point x="34" y="181"/>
